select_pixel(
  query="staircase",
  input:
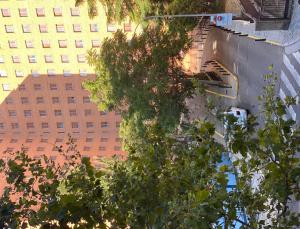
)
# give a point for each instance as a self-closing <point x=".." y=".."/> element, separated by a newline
<point x="274" y="9"/>
<point x="269" y="14"/>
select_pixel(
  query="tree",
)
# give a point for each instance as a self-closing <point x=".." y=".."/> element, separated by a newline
<point x="41" y="192"/>
<point x="142" y="76"/>
<point x="169" y="181"/>
<point x="136" y="10"/>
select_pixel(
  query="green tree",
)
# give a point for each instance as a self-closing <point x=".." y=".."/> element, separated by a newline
<point x="168" y="181"/>
<point x="136" y="10"/>
<point x="142" y="77"/>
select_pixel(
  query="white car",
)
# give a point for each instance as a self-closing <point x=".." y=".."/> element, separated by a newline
<point x="239" y="113"/>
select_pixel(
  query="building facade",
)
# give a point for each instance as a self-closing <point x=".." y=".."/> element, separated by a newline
<point x="43" y="46"/>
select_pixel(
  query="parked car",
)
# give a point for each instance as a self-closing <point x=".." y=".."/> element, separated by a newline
<point x="241" y="117"/>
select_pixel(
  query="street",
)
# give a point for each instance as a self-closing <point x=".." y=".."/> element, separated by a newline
<point x="249" y="61"/>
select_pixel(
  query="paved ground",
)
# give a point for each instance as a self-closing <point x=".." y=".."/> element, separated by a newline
<point x="283" y="37"/>
<point x="248" y="59"/>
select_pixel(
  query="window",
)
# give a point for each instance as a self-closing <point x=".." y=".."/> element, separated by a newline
<point x="104" y="124"/>
<point x="83" y="72"/>
<point x="103" y="139"/>
<point x="44" y="125"/>
<point x="39" y="100"/>
<point x="9" y="28"/>
<point x="40" y="148"/>
<point x="79" y="43"/>
<point x="12" y="113"/>
<point x="23" y="12"/>
<point x="27" y="113"/>
<point x="48" y="58"/>
<point x="89" y="139"/>
<point x="1" y="125"/>
<point x="118" y="139"/>
<point x="29" y="125"/>
<point x="72" y="112"/>
<point x="68" y="86"/>
<point x="89" y="125"/>
<point x="60" y="28"/>
<point x="87" y="112"/>
<point x="44" y="140"/>
<point x="26" y="28"/>
<point x="64" y="58"/>
<point x="127" y="27"/>
<point x="15" y="125"/>
<point x="86" y="99"/>
<point x="118" y="124"/>
<point x="111" y="28"/>
<point x="81" y="58"/>
<point x="1" y="59"/>
<point x="55" y="100"/>
<point x="86" y="148"/>
<point x="40" y="12"/>
<point x="16" y="59"/>
<point x="102" y="148"/>
<point x="53" y="158"/>
<point x="117" y="148"/>
<point x="9" y="100"/>
<point x="51" y="72"/>
<point x="22" y="87"/>
<point x="19" y="73"/>
<point x="24" y="100"/>
<point x="43" y="113"/>
<point x="67" y="73"/>
<point x="3" y="73"/>
<point x="13" y="140"/>
<point x="9" y="149"/>
<point x="76" y="28"/>
<point x="95" y="43"/>
<point x="71" y="100"/>
<point x="58" y="140"/>
<point x="5" y="12"/>
<point x="12" y="44"/>
<point x="46" y="43"/>
<point x="43" y="28"/>
<point x="53" y="87"/>
<point x="29" y="44"/>
<point x="102" y="113"/>
<point x="60" y="125"/>
<point x="57" y="113"/>
<point x="57" y="11"/>
<point x="93" y="27"/>
<point x="32" y="58"/>
<point x="5" y="87"/>
<point x="62" y="43"/>
<point x="37" y="87"/>
<point x="75" y="11"/>
<point x="35" y="73"/>
<point x="75" y="125"/>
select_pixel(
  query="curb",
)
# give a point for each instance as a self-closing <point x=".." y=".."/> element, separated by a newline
<point x="251" y="37"/>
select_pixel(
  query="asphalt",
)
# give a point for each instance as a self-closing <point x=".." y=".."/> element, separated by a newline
<point x="248" y="60"/>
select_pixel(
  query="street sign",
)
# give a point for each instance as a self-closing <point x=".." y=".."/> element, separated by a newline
<point x="221" y="19"/>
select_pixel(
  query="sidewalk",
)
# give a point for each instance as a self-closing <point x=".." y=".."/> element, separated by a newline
<point x="288" y="38"/>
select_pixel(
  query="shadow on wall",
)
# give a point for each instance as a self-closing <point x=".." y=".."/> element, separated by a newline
<point x="42" y="111"/>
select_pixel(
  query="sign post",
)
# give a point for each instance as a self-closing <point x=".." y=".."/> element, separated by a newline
<point x="221" y="19"/>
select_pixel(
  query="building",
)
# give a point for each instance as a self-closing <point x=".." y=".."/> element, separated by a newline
<point x="43" y="45"/>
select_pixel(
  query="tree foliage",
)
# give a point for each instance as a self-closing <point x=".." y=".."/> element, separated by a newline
<point x="137" y="10"/>
<point x="142" y="76"/>
<point x="168" y="181"/>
